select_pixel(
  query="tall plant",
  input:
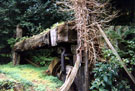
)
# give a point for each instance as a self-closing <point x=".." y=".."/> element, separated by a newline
<point x="32" y="15"/>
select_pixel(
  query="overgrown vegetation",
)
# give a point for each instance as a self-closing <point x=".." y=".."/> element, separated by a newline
<point x="109" y="75"/>
<point x="41" y="57"/>
<point x="6" y="84"/>
<point x="30" y="77"/>
<point x="12" y="41"/>
<point x="32" y="15"/>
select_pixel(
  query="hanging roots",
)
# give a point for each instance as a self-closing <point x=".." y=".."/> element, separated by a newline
<point x="87" y="14"/>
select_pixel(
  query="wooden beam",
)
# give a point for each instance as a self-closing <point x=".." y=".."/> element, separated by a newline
<point x="86" y="72"/>
<point x="53" y="36"/>
<point x="34" y="42"/>
<point x="32" y="63"/>
<point x="64" y="33"/>
<point x="67" y="33"/>
<point x="16" y="58"/>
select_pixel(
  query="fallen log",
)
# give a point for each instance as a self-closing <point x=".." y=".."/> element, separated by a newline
<point x="34" y="42"/>
<point x="115" y="53"/>
<point x="64" y="33"/>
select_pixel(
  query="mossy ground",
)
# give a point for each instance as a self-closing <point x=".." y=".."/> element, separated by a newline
<point x="31" y="77"/>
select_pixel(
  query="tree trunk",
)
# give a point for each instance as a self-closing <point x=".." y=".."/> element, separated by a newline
<point x="16" y="56"/>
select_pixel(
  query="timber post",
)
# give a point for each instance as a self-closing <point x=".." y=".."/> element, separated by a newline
<point x="86" y="71"/>
<point x="16" y="56"/>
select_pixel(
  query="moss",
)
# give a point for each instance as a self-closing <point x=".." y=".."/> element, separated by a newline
<point x="29" y="76"/>
<point x="54" y="82"/>
<point x="53" y="26"/>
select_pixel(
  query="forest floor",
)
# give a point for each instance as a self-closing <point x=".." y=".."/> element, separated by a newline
<point x="32" y="78"/>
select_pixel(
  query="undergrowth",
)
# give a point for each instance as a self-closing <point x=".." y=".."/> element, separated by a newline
<point x="6" y="84"/>
<point x="110" y="75"/>
<point x="41" y="57"/>
<point x="30" y="76"/>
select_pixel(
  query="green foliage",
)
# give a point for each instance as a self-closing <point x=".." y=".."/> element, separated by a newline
<point x="6" y="84"/>
<point x="107" y="75"/>
<point x="15" y="75"/>
<point x="55" y="80"/>
<point x="40" y="87"/>
<point x="42" y="60"/>
<point x="30" y="76"/>
<point x="41" y="57"/>
<point x="32" y="15"/>
<point x="125" y="38"/>
<point x="129" y="53"/>
<point x="110" y="75"/>
<point x="12" y="41"/>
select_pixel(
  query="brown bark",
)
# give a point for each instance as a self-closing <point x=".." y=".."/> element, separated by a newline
<point x="34" y="42"/>
<point x="66" y="86"/>
<point x="19" y="31"/>
<point x="64" y="33"/>
<point x="67" y="33"/>
<point x="16" y="56"/>
<point x="86" y="72"/>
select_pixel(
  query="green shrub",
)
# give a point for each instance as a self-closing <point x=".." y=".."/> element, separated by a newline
<point x="42" y="57"/>
<point x="108" y="75"/>
<point x="6" y="84"/>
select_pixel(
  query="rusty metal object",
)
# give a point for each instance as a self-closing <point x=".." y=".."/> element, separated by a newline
<point x="51" y="68"/>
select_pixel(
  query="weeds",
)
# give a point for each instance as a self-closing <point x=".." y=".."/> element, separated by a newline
<point x="30" y="76"/>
